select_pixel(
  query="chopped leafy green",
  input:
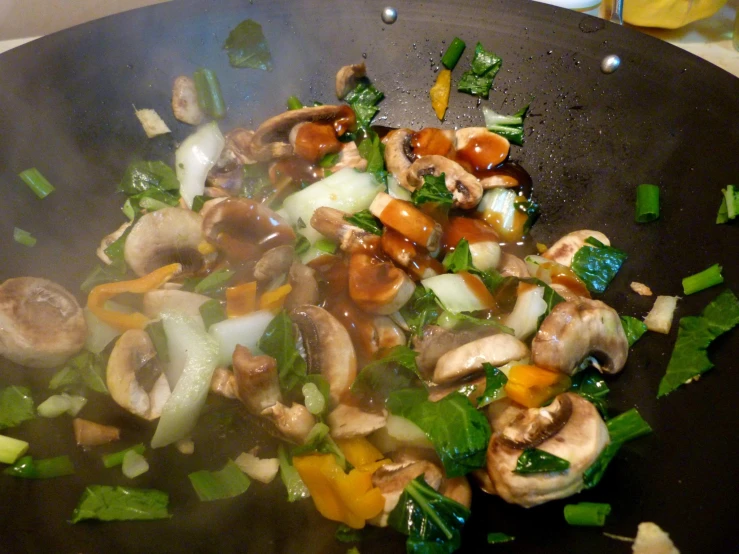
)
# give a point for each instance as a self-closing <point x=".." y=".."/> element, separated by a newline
<point x="366" y="221"/>
<point x="396" y="370"/>
<point x="156" y="333"/>
<point x="533" y="460"/>
<point x="421" y="310"/>
<point x="214" y="281"/>
<point x="302" y="244"/>
<point x="590" y="514"/>
<point x="597" y="264"/>
<point x="247" y="47"/>
<point x="199" y="201"/>
<point x="363" y="100"/>
<point x="729" y="207"/>
<point x="551" y="296"/>
<point x="483" y="61"/>
<point x="279" y="342"/>
<point x="703" y="280"/>
<point x="433" y="190"/>
<point x="210" y="98"/>
<point x="497" y="538"/>
<point x="532" y="211"/>
<point x="212" y="312"/>
<point x="296" y="489"/>
<point x="217" y="485"/>
<point x="85" y="368"/>
<point x="510" y="127"/>
<point x="372" y="150"/>
<point x="689" y="357"/>
<point x="592" y="387"/>
<point x="28" y="468"/>
<point x="495" y="380"/>
<point x="16" y="406"/>
<point x="460" y="259"/>
<point x="461" y="320"/>
<point x="432" y="521"/>
<point x="633" y="328"/>
<point x="121" y="504"/>
<point x="150" y="180"/>
<point x="483" y="69"/>
<point x="115" y="249"/>
<point x="104" y="274"/>
<point x="319" y="440"/>
<point x="329" y="160"/>
<point x="459" y="433"/>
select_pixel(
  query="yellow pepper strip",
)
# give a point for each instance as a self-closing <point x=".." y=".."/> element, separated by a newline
<point x="440" y="93"/>
<point x="359" y="452"/>
<point x="206" y="248"/>
<point x="124" y="321"/>
<point x="274" y="299"/>
<point x="532" y="386"/>
<point x="241" y="299"/>
<point x="338" y="496"/>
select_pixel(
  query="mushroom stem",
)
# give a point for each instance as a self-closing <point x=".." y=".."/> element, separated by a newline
<point x="256" y="380"/>
<point x="408" y="220"/>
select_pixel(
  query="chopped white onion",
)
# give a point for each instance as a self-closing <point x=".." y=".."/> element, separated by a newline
<point x="406" y="432"/>
<point x="134" y="464"/>
<point x="59" y="404"/>
<point x="194" y="159"/>
<point x="454" y="293"/>
<point x="502" y="202"/>
<point x="659" y="319"/>
<point x="245" y="330"/>
<point x="260" y="469"/>
<point x="485" y="255"/>
<point x="99" y="334"/>
<point x="524" y="318"/>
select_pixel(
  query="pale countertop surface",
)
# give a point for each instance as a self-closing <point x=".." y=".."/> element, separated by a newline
<point x="25" y="20"/>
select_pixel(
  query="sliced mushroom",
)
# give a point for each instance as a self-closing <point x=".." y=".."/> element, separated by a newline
<point x="398" y="155"/>
<point x="349" y="156"/>
<point x="168" y="300"/>
<point x="331" y="223"/>
<point x="579" y="441"/>
<point x="467" y="359"/>
<point x="532" y="427"/>
<point x="565" y="248"/>
<point x="110" y="239"/>
<point x="131" y="357"/>
<point x="472" y="388"/>
<point x="437" y="341"/>
<point x="408" y="220"/>
<point x="483" y="150"/>
<point x="89" y="433"/>
<point x="274" y="262"/>
<point x="312" y="141"/>
<point x="575" y="330"/>
<point x="256" y="380"/>
<point x="347" y="78"/>
<point x="294" y="423"/>
<point x="169" y="235"/>
<point x="269" y="140"/>
<point x="378" y="286"/>
<point x="185" y="101"/>
<point x="41" y="323"/>
<point x="244" y="229"/>
<point x="512" y="266"/>
<point x="465" y="187"/>
<point x="407" y="254"/>
<point x="329" y="349"/>
<point x="348" y="421"/>
<point x="392" y="479"/>
<point x="223" y="383"/>
<point x="304" y="286"/>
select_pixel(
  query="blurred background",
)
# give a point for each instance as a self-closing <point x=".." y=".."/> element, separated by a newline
<point x="710" y="36"/>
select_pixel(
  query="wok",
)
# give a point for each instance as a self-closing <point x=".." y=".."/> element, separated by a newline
<point x="665" y="117"/>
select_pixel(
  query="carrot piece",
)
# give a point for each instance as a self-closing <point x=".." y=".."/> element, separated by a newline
<point x="241" y="299"/>
<point x="533" y="386"/>
<point x="274" y="299"/>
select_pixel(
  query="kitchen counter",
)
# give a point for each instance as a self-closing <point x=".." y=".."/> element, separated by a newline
<point x="24" y="20"/>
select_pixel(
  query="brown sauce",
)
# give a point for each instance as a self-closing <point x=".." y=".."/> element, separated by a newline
<point x="299" y="170"/>
<point x="314" y="140"/>
<point x="411" y="222"/>
<point x="479" y="289"/>
<point x="410" y="255"/>
<point x="474" y="230"/>
<point x="431" y="141"/>
<point x="345" y="121"/>
<point x="483" y="153"/>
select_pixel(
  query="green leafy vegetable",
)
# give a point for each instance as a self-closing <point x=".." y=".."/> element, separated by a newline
<point x="325" y="245"/>
<point x="421" y="310"/>
<point x="495" y="380"/>
<point x="116" y="458"/>
<point x="279" y="342"/>
<point x="115" y="250"/>
<point x="152" y="180"/>
<point x="23" y="237"/>
<point x="85" y="368"/>
<point x="647" y="203"/>
<point x="689" y="357"/>
<point x="296" y="489"/>
<point x="16" y="406"/>
<point x="212" y="312"/>
<point x="433" y="190"/>
<point x="294" y="103"/>
<point x="319" y="440"/>
<point x="210" y="98"/>
<point x="432" y="521"/>
<point x="104" y="274"/>
<point x="590" y="514"/>
<point x="460" y="259"/>
<point x="302" y="244"/>
<point x="532" y="211"/>
<point x="510" y="127"/>
<point x="11" y="449"/>
<point x="256" y="183"/>
<point x="461" y="320"/>
<point x="217" y="485"/>
<point x="459" y="433"/>
<point x="121" y="504"/>
<point x="396" y="370"/>
<point x="633" y="328"/>
<point x="703" y="280"/>
<point x="372" y="150"/>
<point x="155" y="330"/>
<point x="592" y="387"/>
<point x="497" y="538"/>
<point x="366" y="221"/>
<point x="329" y="160"/>
<point x="729" y="207"/>
<point x="483" y="69"/>
<point x="28" y="468"/>
<point x="363" y="100"/>
<point x="533" y="460"/>
<point x="597" y="264"/>
<point x="247" y="47"/>
<point x="36" y="182"/>
<point x="214" y="281"/>
<point x="453" y="53"/>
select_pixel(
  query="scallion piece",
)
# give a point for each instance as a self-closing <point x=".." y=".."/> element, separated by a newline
<point x="647" y="203"/>
<point x="23" y="237"/>
<point x="217" y="485"/>
<point x="703" y="280"/>
<point x="116" y="458"/>
<point x="294" y="103"/>
<point x="325" y="245"/>
<point x="730" y="201"/>
<point x="591" y="514"/>
<point x="208" y="88"/>
<point x="497" y="538"/>
<point x="11" y="449"/>
<point x="36" y="182"/>
<point x="214" y="281"/>
<point x="453" y="53"/>
<point x="28" y="468"/>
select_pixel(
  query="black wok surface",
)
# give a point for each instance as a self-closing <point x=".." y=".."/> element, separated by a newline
<point x="665" y="117"/>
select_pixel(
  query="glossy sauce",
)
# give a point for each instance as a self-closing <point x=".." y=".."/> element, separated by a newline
<point x="372" y="281"/>
<point x="408" y="220"/>
<point x="410" y="255"/>
<point x="299" y="170"/>
<point x="563" y="275"/>
<point x="431" y="141"/>
<point x="479" y="289"/>
<point x="314" y="140"/>
<point x="483" y="153"/>
<point x="345" y="121"/>
<point x="474" y="230"/>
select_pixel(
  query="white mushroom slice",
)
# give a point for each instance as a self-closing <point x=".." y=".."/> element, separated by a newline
<point x="185" y="101"/>
<point x="304" y="285"/>
<point x="294" y="423"/>
<point x="347" y="78"/>
<point x="331" y="224"/>
<point x="387" y="334"/>
<point x="41" y="323"/>
<point x="163" y="237"/>
<point x="108" y="240"/>
<point x="580" y="441"/>
<point x="512" y="266"/>
<point x="565" y="248"/>
<point x="348" y="421"/>
<point x="168" y="300"/>
<point x="378" y="287"/>
<point x="398" y="155"/>
<point x="263" y="470"/>
<point x="392" y="479"/>
<point x="467" y="359"/>
<point x="465" y="187"/>
<point x="575" y="330"/>
<point x="651" y="539"/>
<point x="274" y="262"/>
<point x="132" y="352"/>
<point x="256" y="380"/>
<point x="349" y="156"/>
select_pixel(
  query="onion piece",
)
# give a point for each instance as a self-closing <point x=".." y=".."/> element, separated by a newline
<point x="263" y="470"/>
<point x="659" y="319"/>
<point x="530" y="306"/>
<point x="454" y="292"/>
<point x="99" y="333"/>
<point x="194" y="159"/>
<point x="134" y="464"/>
<point x="245" y="330"/>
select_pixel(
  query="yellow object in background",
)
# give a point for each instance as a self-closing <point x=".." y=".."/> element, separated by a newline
<point x="669" y="14"/>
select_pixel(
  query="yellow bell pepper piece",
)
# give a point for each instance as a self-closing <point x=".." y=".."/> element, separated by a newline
<point x="274" y="299"/>
<point x="348" y="498"/>
<point x="532" y="386"/>
<point x="123" y="321"/>
<point x="241" y="299"/>
<point x="359" y="452"/>
<point x="440" y="93"/>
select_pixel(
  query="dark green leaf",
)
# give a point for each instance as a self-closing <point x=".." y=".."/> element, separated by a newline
<point x="597" y="264"/>
<point x="208" y="88"/>
<point x="551" y="296"/>
<point x="104" y="274"/>
<point x="279" y="342"/>
<point x="363" y="100"/>
<point x="689" y="357"/>
<point x="491" y="278"/>
<point x="28" y="468"/>
<point x="484" y="62"/>
<point x="460" y="259"/>
<point x="497" y="538"/>
<point x="595" y="472"/>
<point x="394" y="371"/>
<point x="495" y="380"/>
<point x="143" y="176"/>
<point x="533" y="460"/>
<point x="247" y="47"/>
<point x="212" y="312"/>
<point x="217" y="485"/>
<point x="433" y="190"/>
<point x="302" y="244"/>
<point x="459" y="433"/>
<point x="421" y="310"/>
<point x="296" y="489"/>
<point x="484" y="67"/>
<point x="329" y="160"/>
<point x="475" y="85"/>
<point x="114" y="250"/>
<point x="199" y="201"/>
<point x="432" y="521"/>
<point x="319" y="440"/>
<point x="156" y="333"/>
<point x="121" y="504"/>
<point x="366" y="221"/>
<point x="590" y="385"/>
<point x="372" y="150"/>
<point x="633" y="328"/>
<point x="16" y="406"/>
<point x="85" y="368"/>
<point x="532" y="211"/>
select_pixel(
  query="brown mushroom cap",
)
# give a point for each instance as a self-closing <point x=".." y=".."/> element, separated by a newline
<point x="535" y="425"/>
<point x="256" y="380"/>
<point x="465" y="187"/>
<point x="378" y="287"/>
<point x="185" y="101"/>
<point x="398" y="155"/>
<point x="347" y="78"/>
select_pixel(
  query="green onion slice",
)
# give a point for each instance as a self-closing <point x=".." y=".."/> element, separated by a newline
<point x="703" y="280"/>
<point x="591" y="514"/>
<point x="453" y="53"/>
<point x="208" y="88"/>
<point x="294" y="103"/>
<point x="647" y="203"/>
<point x="37" y="182"/>
<point x="23" y="237"/>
